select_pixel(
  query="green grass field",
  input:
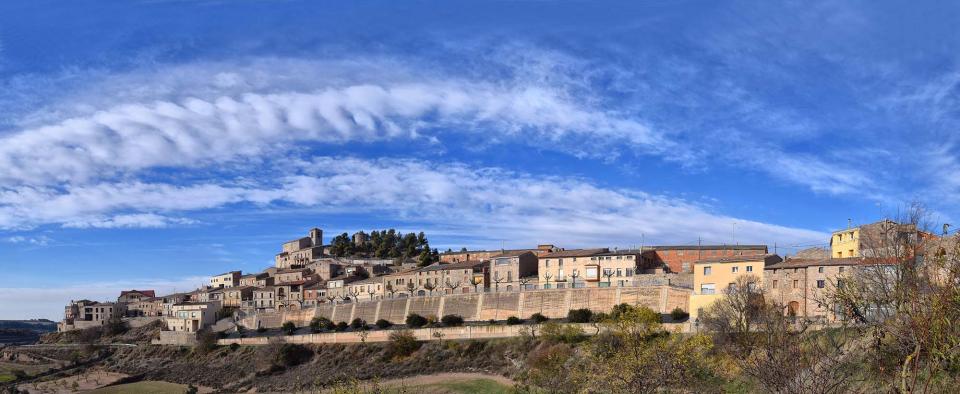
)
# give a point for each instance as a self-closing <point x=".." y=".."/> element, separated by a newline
<point x="456" y="386"/>
<point x="5" y="377"/>
<point x="143" y="387"/>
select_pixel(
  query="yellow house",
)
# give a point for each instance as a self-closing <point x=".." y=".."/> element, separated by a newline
<point x="712" y="276"/>
<point x="845" y="243"/>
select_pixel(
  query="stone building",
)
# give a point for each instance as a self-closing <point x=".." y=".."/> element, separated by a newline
<point x="680" y="258"/>
<point x="251" y="279"/>
<point x="85" y="314"/>
<point x="235" y="296"/>
<point x="480" y="255"/>
<point x="264" y="298"/>
<point x="509" y="268"/>
<point x="711" y="277"/>
<point x="128" y="296"/>
<point x="225" y="280"/>
<point x="192" y="316"/>
<point x="801" y="286"/>
<point x="588" y="268"/>
<point x="302" y="251"/>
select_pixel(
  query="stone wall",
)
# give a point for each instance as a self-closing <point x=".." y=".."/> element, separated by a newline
<point x="554" y="303"/>
<point x="177" y="338"/>
<point x="422" y="334"/>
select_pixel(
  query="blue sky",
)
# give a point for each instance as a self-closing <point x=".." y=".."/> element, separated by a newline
<point x="152" y="143"/>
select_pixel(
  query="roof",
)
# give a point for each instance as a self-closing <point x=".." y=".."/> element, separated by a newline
<point x="373" y="280"/>
<point x="265" y="288"/>
<point x="512" y="253"/>
<point x="235" y="288"/>
<point x="575" y="253"/>
<point x="734" y="259"/>
<point x="229" y="273"/>
<point x="704" y="247"/>
<point x="847" y="261"/>
<point x="489" y="251"/>
<point x="291" y="270"/>
<point x="148" y="293"/>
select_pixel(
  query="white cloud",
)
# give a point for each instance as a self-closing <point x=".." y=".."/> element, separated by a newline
<point x="486" y="203"/>
<point x="41" y="302"/>
<point x="37" y="241"/>
<point x="237" y="115"/>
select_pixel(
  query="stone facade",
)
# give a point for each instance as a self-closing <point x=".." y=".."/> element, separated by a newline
<point x="192" y="316"/>
<point x="801" y="286"/>
<point x="300" y="252"/>
<point x="680" y="258"/>
<point x="509" y="268"/>
<point x="588" y="268"/>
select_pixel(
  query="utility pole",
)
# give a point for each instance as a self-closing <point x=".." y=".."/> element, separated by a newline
<point x="735" y="233"/>
<point x="699" y="248"/>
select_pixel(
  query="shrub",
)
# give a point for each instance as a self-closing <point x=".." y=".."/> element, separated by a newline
<point x="416" y="321"/>
<point x="599" y="317"/>
<point x="329" y="325"/>
<point x="538" y="318"/>
<point x="402" y="344"/>
<point x="206" y="342"/>
<point x="319" y="323"/>
<point x="342" y="326"/>
<point x="383" y="324"/>
<point x="289" y="328"/>
<point x="678" y="314"/>
<point x="582" y="315"/>
<point x="358" y="323"/>
<point x="513" y="320"/>
<point x="288" y="355"/>
<point x="492" y="322"/>
<point x="566" y="333"/>
<point x="115" y="326"/>
<point x="261" y="329"/>
<point x="452" y="320"/>
<point x="234" y="347"/>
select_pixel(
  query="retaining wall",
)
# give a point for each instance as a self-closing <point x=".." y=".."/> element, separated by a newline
<point x="553" y="303"/>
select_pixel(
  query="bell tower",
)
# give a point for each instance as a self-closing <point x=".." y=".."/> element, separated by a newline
<point x="316" y="237"/>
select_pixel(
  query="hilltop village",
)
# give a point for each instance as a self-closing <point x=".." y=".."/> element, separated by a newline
<point x="309" y="281"/>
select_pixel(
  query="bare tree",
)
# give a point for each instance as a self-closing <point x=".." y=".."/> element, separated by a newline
<point x="609" y="274"/>
<point x="524" y="282"/>
<point x="497" y="280"/>
<point x="546" y="279"/>
<point x="429" y="286"/>
<point x="476" y="282"/>
<point x="411" y="287"/>
<point x="574" y="275"/>
<point x="452" y="285"/>
<point x="390" y="289"/>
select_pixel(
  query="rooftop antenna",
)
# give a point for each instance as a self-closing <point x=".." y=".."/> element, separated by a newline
<point x="849" y="223"/>
<point x="735" y="233"/>
<point x="946" y="228"/>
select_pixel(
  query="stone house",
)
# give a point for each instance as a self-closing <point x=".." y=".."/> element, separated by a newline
<point x="588" y="268"/>
<point x="264" y="298"/>
<point x="192" y="316"/>
<point x="474" y="255"/>
<point x="314" y="294"/>
<point x="234" y="297"/>
<point x="711" y="277"/>
<point x="128" y="296"/>
<point x="680" y="258"/>
<point x="302" y="251"/>
<point x="251" y="279"/>
<point x="801" y="286"/>
<point x="225" y="280"/>
<point x="509" y="271"/>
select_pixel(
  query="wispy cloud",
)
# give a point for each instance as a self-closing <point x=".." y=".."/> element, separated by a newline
<point x="37" y="241"/>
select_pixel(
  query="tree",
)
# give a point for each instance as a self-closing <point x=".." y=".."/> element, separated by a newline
<point x="288" y="327"/>
<point x="416" y="321"/>
<point x="429" y="286"/>
<point x="452" y="285"/>
<point x="390" y="289"/>
<point x="524" y="282"/>
<point x="476" y="282"/>
<point x="411" y="287"/>
<point x="497" y="279"/>
<point x="452" y="320"/>
<point x="734" y="314"/>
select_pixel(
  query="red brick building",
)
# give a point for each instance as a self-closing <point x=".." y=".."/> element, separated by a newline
<point x="680" y="258"/>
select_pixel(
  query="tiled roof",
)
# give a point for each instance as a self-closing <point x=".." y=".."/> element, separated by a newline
<point x="733" y="259"/>
<point x="489" y="251"/>
<point x="228" y="273"/>
<point x="705" y="247"/>
<point x="575" y="253"/>
<point x="453" y="266"/>
<point x="847" y="261"/>
<point x="148" y="293"/>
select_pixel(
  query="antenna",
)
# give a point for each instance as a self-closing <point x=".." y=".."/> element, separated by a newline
<point x="849" y="223"/>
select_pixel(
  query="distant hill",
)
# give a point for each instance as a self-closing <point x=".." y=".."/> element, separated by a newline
<point x="38" y="325"/>
<point x="24" y="331"/>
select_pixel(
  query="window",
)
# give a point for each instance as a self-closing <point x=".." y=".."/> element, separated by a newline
<point x="706" y="270"/>
<point x="851" y="252"/>
<point x="821" y="284"/>
<point x="607" y="272"/>
<point x="734" y="269"/>
<point x="547" y="263"/>
<point x="732" y="287"/>
<point x="749" y="268"/>
<point x="560" y="263"/>
<point x="629" y="271"/>
<point x="820" y="269"/>
<point x="775" y="283"/>
<point x="841" y="269"/>
<point x="619" y="272"/>
<point x="795" y="283"/>
<point x="708" y="288"/>
<point x="840" y="255"/>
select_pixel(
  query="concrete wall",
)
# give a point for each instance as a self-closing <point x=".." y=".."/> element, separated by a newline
<point x="484" y="306"/>
<point x="135" y="322"/>
<point x="178" y="338"/>
<point x="423" y="334"/>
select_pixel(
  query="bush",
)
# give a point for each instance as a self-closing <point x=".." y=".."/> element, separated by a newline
<point x="289" y="328"/>
<point x="261" y="329"/>
<point x="582" y="315"/>
<point x="513" y="320"/>
<point x="599" y="317"/>
<point x="492" y="322"/>
<point x="329" y="325"/>
<point x="206" y="342"/>
<point x="342" y="326"/>
<point x="288" y="355"/>
<point x="358" y="323"/>
<point x="416" y="321"/>
<point x="234" y="347"/>
<point x="678" y="314"/>
<point x="402" y="344"/>
<point x="383" y="324"/>
<point x="566" y="333"/>
<point x="452" y="320"/>
<point x="320" y="323"/>
<point x="538" y="318"/>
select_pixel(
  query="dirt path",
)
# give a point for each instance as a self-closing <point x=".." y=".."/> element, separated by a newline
<point x="445" y="378"/>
